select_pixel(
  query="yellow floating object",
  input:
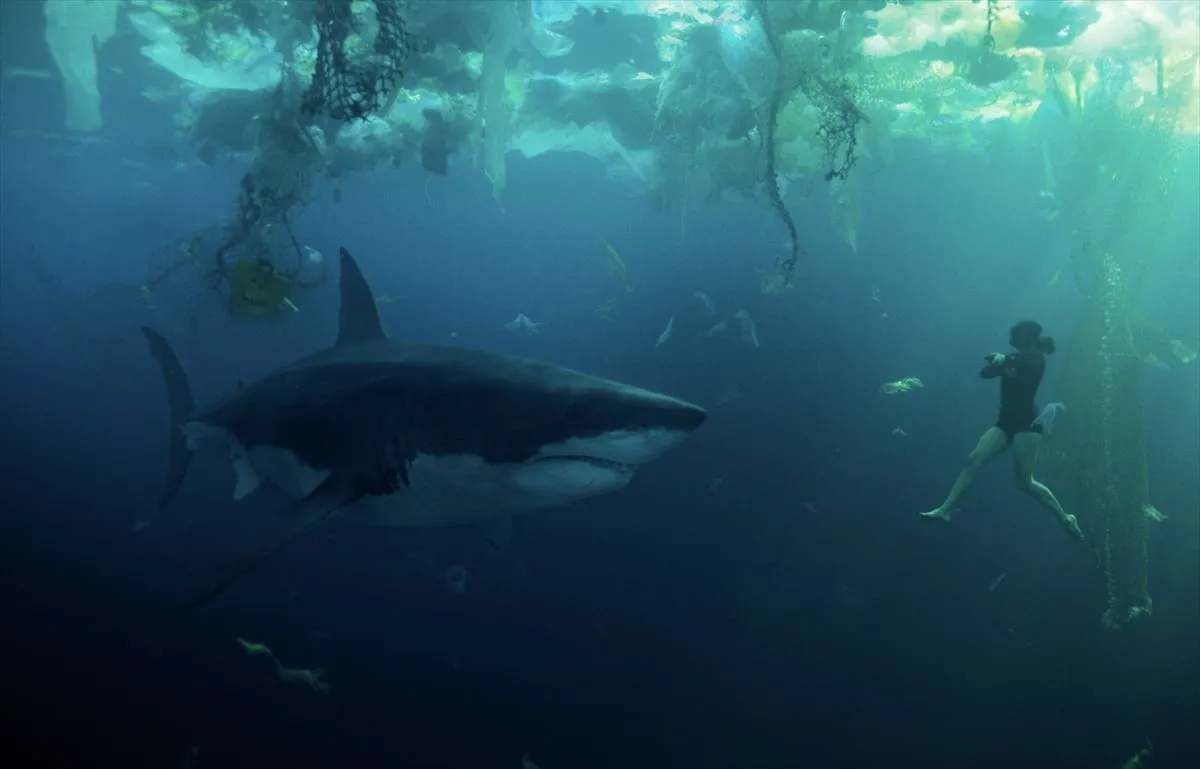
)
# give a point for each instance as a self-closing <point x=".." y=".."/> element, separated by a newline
<point x="257" y="290"/>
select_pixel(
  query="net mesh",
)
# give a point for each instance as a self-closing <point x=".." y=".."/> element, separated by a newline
<point x="1115" y="195"/>
<point x="351" y="82"/>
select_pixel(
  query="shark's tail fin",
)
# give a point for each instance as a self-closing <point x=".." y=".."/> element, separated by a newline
<point x="179" y="396"/>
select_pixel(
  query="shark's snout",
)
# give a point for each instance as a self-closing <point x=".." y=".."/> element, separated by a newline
<point x="691" y="416"/>
<point x="657" y="411"/>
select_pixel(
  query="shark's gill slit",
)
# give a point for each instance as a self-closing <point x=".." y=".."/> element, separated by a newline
<point x="607" y="464"/>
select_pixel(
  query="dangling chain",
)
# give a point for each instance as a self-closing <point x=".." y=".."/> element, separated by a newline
<point x="989" y="42"/>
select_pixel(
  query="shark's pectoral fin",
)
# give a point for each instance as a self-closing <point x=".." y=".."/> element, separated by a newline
<point x="248" y="478"/>
<point x="335" y="493"/>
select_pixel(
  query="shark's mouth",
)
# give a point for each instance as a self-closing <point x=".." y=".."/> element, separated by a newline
<point x="607" y="464"/>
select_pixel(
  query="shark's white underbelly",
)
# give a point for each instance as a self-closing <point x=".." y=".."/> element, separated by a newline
<point x="442" y="489"/>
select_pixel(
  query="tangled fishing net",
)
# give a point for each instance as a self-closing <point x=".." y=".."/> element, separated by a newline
<point x="352" y="82"/>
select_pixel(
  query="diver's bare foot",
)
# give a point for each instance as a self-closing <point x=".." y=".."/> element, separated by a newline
<point x="940" y="512"/>
<point x="1071" y="524"/>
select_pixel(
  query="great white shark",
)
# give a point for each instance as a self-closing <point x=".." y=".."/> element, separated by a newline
<point x="413" y="434"/>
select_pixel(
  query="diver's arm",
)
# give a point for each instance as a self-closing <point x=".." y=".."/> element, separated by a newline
<point x="998" y="365"/>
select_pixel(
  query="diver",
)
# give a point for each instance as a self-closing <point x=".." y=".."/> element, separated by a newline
<point x="1020" y="374"/>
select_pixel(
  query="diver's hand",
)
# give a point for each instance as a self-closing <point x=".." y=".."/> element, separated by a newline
<point x="995" y="358"/>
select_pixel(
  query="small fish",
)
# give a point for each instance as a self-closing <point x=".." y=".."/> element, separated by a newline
<point x="314" y="678"/>
<point x="456" y="579"/>
<point x="159" y="94"/>
<point x="1152" y="513"/>
<point x="1181" y="351"/>
<point x="190" y="757"/>
<point x="253" y="648"/>
<point x="901" y="385"/>
<point x="21" y="133"/>
<point x="749" y="330"/>
<point x="996" y="582"/>
<point x="27" y="73"/>
<point x="773" y="282"/>
<point x="665" y="336"/>
<point x="606" y="308"/>
<point x="523" y="323"/>
<point x="709" y="307"/>
<point x="87" y="140"/>
<point x="616" y="265"/>
<point x="720" y="328"/>
<point x="728" y="396"/>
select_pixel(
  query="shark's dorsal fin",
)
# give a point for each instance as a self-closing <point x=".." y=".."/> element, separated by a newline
<point x="358" y="318"/>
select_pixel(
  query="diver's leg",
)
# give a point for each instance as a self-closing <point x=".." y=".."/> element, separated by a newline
<point x="993" y="442"/>
<point x="1025" y="453"/>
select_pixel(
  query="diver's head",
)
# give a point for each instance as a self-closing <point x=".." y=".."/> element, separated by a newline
<point x="1026" y="336"/>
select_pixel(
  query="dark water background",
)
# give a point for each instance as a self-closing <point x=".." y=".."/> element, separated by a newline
<point x="799" y="614"/>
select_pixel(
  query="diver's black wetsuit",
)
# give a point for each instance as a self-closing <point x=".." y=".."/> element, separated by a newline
<point x="1021" y="374"/>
